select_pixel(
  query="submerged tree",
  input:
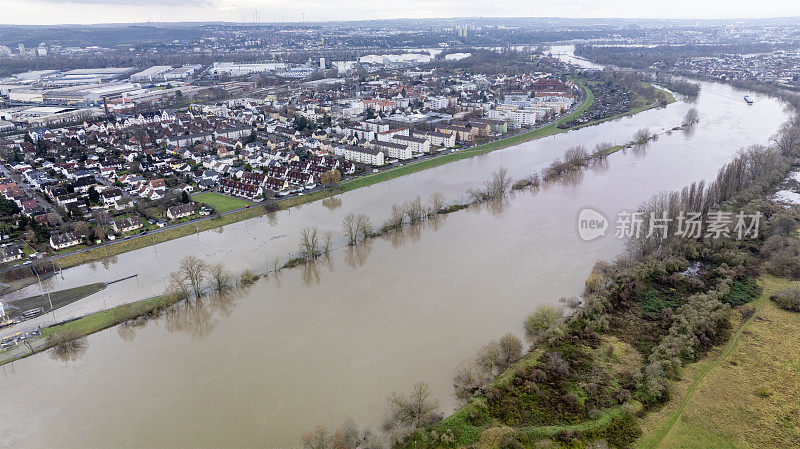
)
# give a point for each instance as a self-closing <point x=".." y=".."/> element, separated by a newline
<point x="193" y="271"/>
<point x="691" y="117"/>
<point x="414" y="409"/>
<point x="309" y="243"/>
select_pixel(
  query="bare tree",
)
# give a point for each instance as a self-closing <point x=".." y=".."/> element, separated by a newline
<point x="436" y="202"/>
<point x="317" y="439"/>
<point x="788" y="139"/>
<point x="396" y="217"/>
<point x="100" y="233"/>
<point x="194" y="271"/>
<point x="309" y="243"/>
<point x="496" y="188"/>
<point x="642" y="135"/>
<point x="601" y="149"/>
<point x="691" y="117"/>
<point x="81" y="229"/>
<point x="414" y="210"/>
<point x="468" y="379"/>
<point x="327" y="242"/>
<point x="576" y="156"/>
<point x="177" y="285"/>
<point x="67" y="345"/>
<point x="490" y="358"/>
<point x="350" y="226"/>
<point x="221" y="280"/>
<point x="416" y="408"/>
<point x="510" y="349"/>
<point x="363" y="225"/>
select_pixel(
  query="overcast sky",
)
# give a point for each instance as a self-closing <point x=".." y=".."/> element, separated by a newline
<point x="105" y="11"/>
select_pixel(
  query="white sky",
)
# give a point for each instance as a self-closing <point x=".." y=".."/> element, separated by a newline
<point x="106" y="11"/>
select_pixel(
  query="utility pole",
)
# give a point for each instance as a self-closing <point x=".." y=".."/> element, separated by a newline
<point x="41" y="287"/>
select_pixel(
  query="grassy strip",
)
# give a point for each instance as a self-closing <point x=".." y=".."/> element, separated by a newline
<point x="104" y="319"/>
<point x="654" y="438"/>
<point x="60" y="298"/>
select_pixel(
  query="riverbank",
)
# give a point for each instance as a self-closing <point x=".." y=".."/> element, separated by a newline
<point x="665" y="311"/>
<point x="739" y="391"/>
<point x="111" y="249"/>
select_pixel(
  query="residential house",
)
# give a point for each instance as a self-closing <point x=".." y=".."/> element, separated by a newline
<point x="65" y="240"/>
<point x="10" y="253"/>
<point x="180" y="211"/>
<point x="127" y="224"/>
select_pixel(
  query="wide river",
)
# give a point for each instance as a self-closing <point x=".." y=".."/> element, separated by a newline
<point x="323" y="344"/>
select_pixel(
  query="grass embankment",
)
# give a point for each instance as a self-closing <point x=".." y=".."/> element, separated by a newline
<point x="104" y="319"/>
<point x="59" y="299"/>
<point x="743" y="395"/>
<point x="90" y="324"/>
<point x="220" y="203"/>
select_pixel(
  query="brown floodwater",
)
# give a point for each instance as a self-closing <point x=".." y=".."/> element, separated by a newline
<point x="322" y="344"/>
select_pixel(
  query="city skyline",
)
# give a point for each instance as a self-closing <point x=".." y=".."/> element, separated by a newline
<point x="51" y="12"/>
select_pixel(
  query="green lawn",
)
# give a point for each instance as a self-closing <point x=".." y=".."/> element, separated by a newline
<point x="220" y="203"/>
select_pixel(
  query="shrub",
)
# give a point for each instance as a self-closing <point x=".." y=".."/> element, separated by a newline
<point x="654" y="302"/>
<point x="622" y="431"/>
<point x="510" y="348"/>
<point x="510" y="442"/>
<point x="742" y="292"/>
<point x="521" y="184"/>
<point x="788" y="299"/>
<point x="247" y="277"/>
<point x="556" y="365"/>
<point x="541" y="320"/>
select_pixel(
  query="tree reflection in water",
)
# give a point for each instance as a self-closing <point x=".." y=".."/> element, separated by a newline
<point x="272" y="218"/>
<point x="599" y="166"/>
<point x="127" y="330"/>
<point x="108" y="261"/>
<point x="333" y="202"/>
<point x="310" y="273"/>
<point x="69" y="351"/>
<point x="191" y="317"/>
<point x="356" y="255"/>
